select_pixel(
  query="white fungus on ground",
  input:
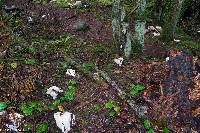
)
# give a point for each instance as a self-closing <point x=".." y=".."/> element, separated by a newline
<point x="167" y="59"/>
<point x="119" y="61"/>
<point x="64" y="120"/>
<point x="30" y="19"/>
<point x="71" y="72"/>
<point x="176" y="40"/>
<point x="53" y="91"/>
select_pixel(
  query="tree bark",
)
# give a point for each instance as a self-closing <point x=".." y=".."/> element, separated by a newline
<point x="116" y="25"/>
<point x="171" y="16"/>
<point x="138" y="43"/>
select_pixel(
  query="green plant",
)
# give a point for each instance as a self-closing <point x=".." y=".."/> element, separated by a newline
<point x="113" y="106"/>
<point x="87" y="65"/>
<point x="26" y="110"/>
<point x="30" y="107"/>
<point x="96" y="106"/>
<point x="40" y="128"/>
<point x="135" y="89"/>
<point x="30" y="61"/>
<point x="165" y="130"/>
<point x="150" y="131"/>
<point x="69" y="94"/>
<point x="54" y="104"/>
<point x="147" y="126"/>
<point x="2" y="105"/>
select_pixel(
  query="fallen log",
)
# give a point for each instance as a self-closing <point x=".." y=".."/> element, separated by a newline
<point x="176" y="90"/>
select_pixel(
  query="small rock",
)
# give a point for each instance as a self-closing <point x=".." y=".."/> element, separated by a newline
<point x="9" y="8"/>
<point x="77" y="4"/>
<point x="81" y="25"/>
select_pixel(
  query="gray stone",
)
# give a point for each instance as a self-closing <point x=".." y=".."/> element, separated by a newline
<point x="81" y="25"/>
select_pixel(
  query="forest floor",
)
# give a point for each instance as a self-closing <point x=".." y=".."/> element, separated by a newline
<point x="36" y="53"/>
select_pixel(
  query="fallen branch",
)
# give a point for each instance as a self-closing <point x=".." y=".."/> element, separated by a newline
<point x="139" y="110"/>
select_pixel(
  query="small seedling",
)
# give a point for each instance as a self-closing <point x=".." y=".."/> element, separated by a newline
<point x="109" y="104"/>
<point x="135" y="89"/>
<point x="150" y="131"/>
<point x="2" y="105"/>
<point x="30" y="107"/>
<point x="165" y="130"/>
<point x="96" y="106"/>
<point x="55" y="104"/>
<point x="26" y="110"/>
<point x="147" y="126"/>
<point x="112" y="106"/>
<point x="41" y="128"/>
<point x="69" y="95"/>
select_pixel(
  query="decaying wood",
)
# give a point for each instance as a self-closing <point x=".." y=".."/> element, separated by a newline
<point x="176" y="90"/>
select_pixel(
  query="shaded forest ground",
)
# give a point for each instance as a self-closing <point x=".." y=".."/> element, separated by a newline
<point x="41" y="51"/>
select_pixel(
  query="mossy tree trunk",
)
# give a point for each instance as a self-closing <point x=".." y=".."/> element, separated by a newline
<point x="171" y="16"/>
<point x="116" y="25"/>
<point x="138" y="42"/>
<point x="123" y="39"/>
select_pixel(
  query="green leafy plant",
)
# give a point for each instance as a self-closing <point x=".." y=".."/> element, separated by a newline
<point x="87" y="65"/>
<point x="41" y="128"/>
<point x="30" y="61"/>
<point x="30" y="107"/>
<point x="55" y="104"/>
<point x="2" y="105"/>
<point x="109" y="104"/>
<point x="150" y="131"/>
<point x="69" y="94"/>
<point x="147" y="126"/>
<point x="135" y="89"/>
<point x="113" y="106"/>
<point x="165" y="130"/>
<point x="96" y="106"/>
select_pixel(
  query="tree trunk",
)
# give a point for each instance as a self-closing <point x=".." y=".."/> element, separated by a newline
<point x="116" y="25"/>
<point x="138" y="43"/>
<point x="171" y="16"/>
